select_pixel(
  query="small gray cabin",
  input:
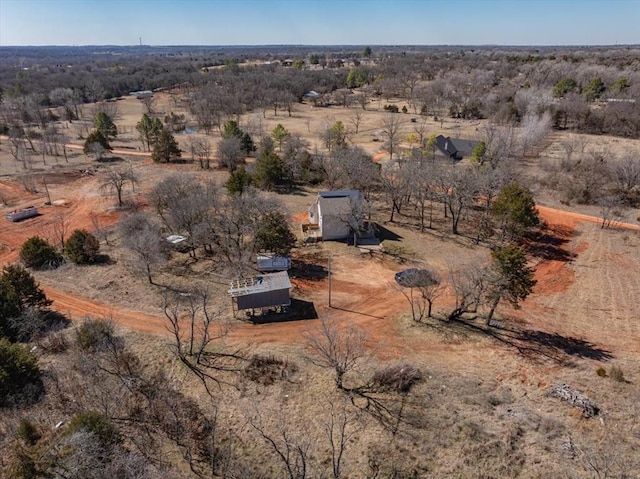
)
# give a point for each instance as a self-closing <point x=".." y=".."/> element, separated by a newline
<point x="261" y="292"/>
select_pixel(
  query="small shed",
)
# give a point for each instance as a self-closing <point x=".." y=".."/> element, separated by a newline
<point x="261" y="292"/>
<point x="273" y="262"/>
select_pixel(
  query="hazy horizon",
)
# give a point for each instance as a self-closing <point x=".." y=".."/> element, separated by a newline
<point x="505" y="23"/>
<point x="320" y="45"/>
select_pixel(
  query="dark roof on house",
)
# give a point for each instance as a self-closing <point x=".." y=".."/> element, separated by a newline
<point x="336" y="206"/>
<point x="455" y="148"/>
<point x="340" y="193"/>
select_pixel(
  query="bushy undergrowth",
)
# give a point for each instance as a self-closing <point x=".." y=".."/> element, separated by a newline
<point x="398" y="378"/>
<point x="268" y="369"/>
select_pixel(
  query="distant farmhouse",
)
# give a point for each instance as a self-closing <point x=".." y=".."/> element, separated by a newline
<point x="333" y="213"/>
<point x="141" y="94"/>
<point x="455" y="148"/>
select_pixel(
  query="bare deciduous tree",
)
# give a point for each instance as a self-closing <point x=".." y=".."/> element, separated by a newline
<point x="200" y="149"/>
<point x="340" y="429"/>
<point x="149" y="102"/>
<point x="142" y="236"/>
<point x="457" y="187"/>
<point x="626" y="173"/>
<point x="534" y="129"/>
<point x="424" y="288"/>
<point x="99" y="230"/>
<point x="18" y="147"/>
<point x="469" y="285"/>
<point x="422" y="191"/>
<point x="354" y="218"/>
<point x="356" y="121"/>
<point x="610" y="210"/>
<point x="236" y="225"/>
<point x="292" y="450"/>
<point x="230" y="153"/>
<point x="500" y="143"/>
<point x="395" y="183"/>
<point x="59" y="229"/>
<point x="198" y="327"/>
<point x="356" y="169"/>
<point x="336" y="347"/>
<point x="115" y="179"/>
<point x="572" y="145"/>
<point x="391" y="126"/>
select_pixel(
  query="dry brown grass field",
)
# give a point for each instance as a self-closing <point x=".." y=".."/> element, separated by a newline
<point x="483" y="410"/>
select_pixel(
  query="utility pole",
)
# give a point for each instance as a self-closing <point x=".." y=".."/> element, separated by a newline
<point x="329" y="277"/>
<point x="47" y="190"/>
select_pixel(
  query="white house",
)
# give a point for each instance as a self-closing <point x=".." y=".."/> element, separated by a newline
<point x="335" y="212"/>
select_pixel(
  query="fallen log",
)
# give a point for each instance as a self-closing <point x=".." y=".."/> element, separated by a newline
<point x="567" y="394"/>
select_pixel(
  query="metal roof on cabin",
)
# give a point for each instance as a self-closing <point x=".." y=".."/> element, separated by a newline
<point x="260" y="284"/>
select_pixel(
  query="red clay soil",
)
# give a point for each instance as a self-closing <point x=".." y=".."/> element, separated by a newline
<point x="553" y="274"/>
<point x="379" y="156"/>
<point x="77" y="307"/>
<point x="77" y="211"/>
<point x="300" y="217"/>
<point x="364" y="291"/>
<point x="569" y="218"/>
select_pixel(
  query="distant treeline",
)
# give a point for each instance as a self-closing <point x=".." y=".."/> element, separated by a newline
<point x="588" y="89"/>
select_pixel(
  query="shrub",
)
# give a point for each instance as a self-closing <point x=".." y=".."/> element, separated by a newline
<point x="391" y="108"/>
<point x="398" y="378"/>
<point x="602" y="372"/>
<point x="94" y="335"/>
<point x="28" y="432"/>
<point x="82" y="247"/>
<point x="267" y="370"/>
<point x="96" y="143"/>
<point x="394" y="249"/>
<point x="239" y="180"/>
<point x="274" y="234"/>
<point x="22" y="304"/>
<point x="616" y="374"/>
<point x="38" y="253"/>
<point x="20" y="380"/>
<point x="98" y="425"/>
<point x="56" y="343"/>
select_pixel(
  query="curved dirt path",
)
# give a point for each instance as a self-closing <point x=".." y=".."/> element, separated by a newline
<point x="76" y="307"/>
<point x="555" y="216"/>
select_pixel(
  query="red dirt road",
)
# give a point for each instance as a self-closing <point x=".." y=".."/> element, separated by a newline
<point x="562" y="217"/>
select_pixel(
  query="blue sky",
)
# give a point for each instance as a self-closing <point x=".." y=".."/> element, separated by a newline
<point x="320" y="22"/>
